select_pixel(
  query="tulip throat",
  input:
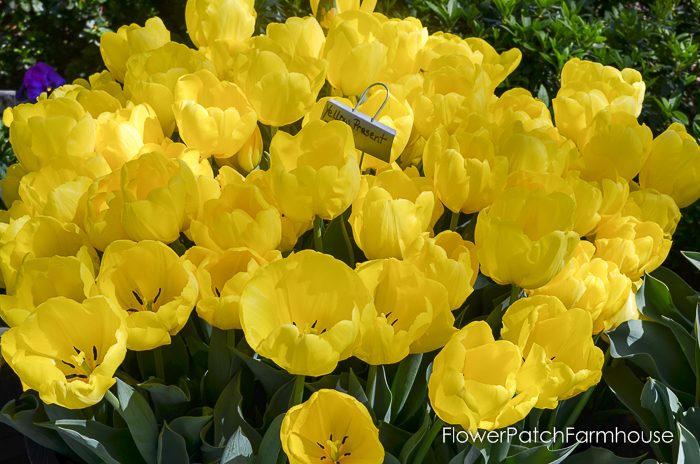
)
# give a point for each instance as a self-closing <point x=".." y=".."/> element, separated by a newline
<point x="309" y="329"/>
<point x="144" y="304"/>
<point x="80" y="365"/>
<point x="334" y="450"/>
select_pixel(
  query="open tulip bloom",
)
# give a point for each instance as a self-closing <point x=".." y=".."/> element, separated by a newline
<point x="205" y="261"/>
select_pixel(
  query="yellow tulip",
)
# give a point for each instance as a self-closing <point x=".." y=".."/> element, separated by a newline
<point x="588" y="88"/>
<point x="212" y="116"/>
<point x="159" y="196"/>
<point x="561" y="360"/>
<point x="392" y="209"/>
<point x="526" y="236"/>
<point x="615" y="194"/>
<point x="68" y="351"/>
<point x="151" y="77"/>
<point x="473" y="381"/>
<point x="240" y="217"/>
<point x="330" y="427"/>
<point x="209" y="21"/>
<point x="636" y="246"/>
<point x="614" y="144"/>
<point x="50" y="129"/>
<point x="122" y="134"/>
<point x="248" y="157"/>
<point x="41" y="237"/>
<point x="117" y="47"/>
<point x="9" y="185"/>
<point x="282" y="73"/>
<point x="650" y="205"/>
<point x="314" y="173"/>
<point x="466" y="172"/>
<point x="404" y="38"/>
<point x="221" y="277"/>
<point x="304" y="312"/>
<point x="355" y="41"/>
<point x="448" y="259"/>
<point x="673" y="166"/>
<point x="291" y="228"/>
<point x="95" y="101"/>
<point x="519" y="105"/>
<point x="412" y="313"/>
<point x="592" y="284"/>
<point x="155" y="289"/>
<point x="39" y="279"/>
<point x="101" y="211"/>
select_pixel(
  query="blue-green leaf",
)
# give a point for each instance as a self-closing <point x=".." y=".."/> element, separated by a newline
<point x="140" y="420"/>
<point x="172" y="448"/>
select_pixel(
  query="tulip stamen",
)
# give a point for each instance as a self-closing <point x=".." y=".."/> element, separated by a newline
<point x="344" y="438"/>
<point x="218" y="293"/>
<point x="138" y="298"/>
<point x="76" y="376"/>
<point x="132" y="310"/>
<point x="313" y="326"/>
<point x="155" y="299"/>
<point x="68" y="364"/>
<point x="322" y="447"/>
<point x="395" y="321"/>
<point x="94" y="352"/>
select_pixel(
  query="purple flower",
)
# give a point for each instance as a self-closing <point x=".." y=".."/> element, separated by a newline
<point x="39" y="78"/>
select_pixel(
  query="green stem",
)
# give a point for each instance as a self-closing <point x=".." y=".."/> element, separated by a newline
<point x="348" y="243"/>
<point x="583" y="400"/>
<point x="160" y="364"/>
<point x="112" y="400"/>
<point x="297" y="391"/>
<point x="362" y="158"/>
<point x="318" y="234"/>
<point x="454" y="220"/>
<point x="371" y="383"/>
<point x="428" y="440"/>
<point x="514" y="293"/>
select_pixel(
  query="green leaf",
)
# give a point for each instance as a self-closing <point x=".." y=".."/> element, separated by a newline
<point x="23" y="414"/>
<point x="228" y="414"/>
<point x="684" y="297"/>
<point x="270" y="378"/>
<point x="140" y="420"/>
<point x="412" y="443"/>
<point x="693" y="257"/>
<point x="658" y="302"/>
<point x="270" y="449"/>
<point x="382" y="396"/>
<point x="334" y="242"/>
<point x="688" y="449"/>
<point x="238" y="446"/>
<point x="172" y="448"/>
<point x="222" y="363"/>
<point x="538" y="454"/>
<point x="600" y="456"/>
<point x="393" y="438"/>
<point x="654" y="348"/>
<point x="391" y="459"/>
<point x="190" y="427"/>
<point x="403" y="382"/>
<point x="169" y="401"/>
<point x="95" y="442"/>
<point x="662" y="403"/>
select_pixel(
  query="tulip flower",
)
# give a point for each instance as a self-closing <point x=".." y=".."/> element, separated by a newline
<point x="526" y="236"/>
<point x="304" y="312"/>
<point x="636" y="246"/>
<point x="561" y="360"/>
<point x="151" y="77"/>
<point x="403" y="38"/>
<point x="650" y="205"/>
<point x="330" y="427"/>
<point x="212" y="116"/>
<point x="412" y="313"/>
<point x="155" y="289"/>
<point x="50" y="129"/>
<point x="473" y="381"/>
<point x="466" y="172"/>
<point x="117" y="47"/>
<point x="222" y="277"/>
<point x="209" y="21"/>
<point x="314" y="173"/>
<point x="41" y="237"/>
<point x="673" y="166"/>
<point x="354" y="42"/>
<point x="40" y="279"/>
<point x="392" y="209"/>
<point x="592" y="284"/>
<point x="448" y="259"/>
<point x="68" y="351"/>
<point x="240" y="217"/>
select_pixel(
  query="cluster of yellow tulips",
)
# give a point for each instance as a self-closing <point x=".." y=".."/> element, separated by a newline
<point x="166" y="146"/>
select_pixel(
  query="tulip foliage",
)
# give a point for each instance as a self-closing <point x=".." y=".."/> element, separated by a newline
<point x="198" y="266"/>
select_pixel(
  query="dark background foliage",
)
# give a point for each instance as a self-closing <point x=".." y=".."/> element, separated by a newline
<point x="659" y="38"/>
